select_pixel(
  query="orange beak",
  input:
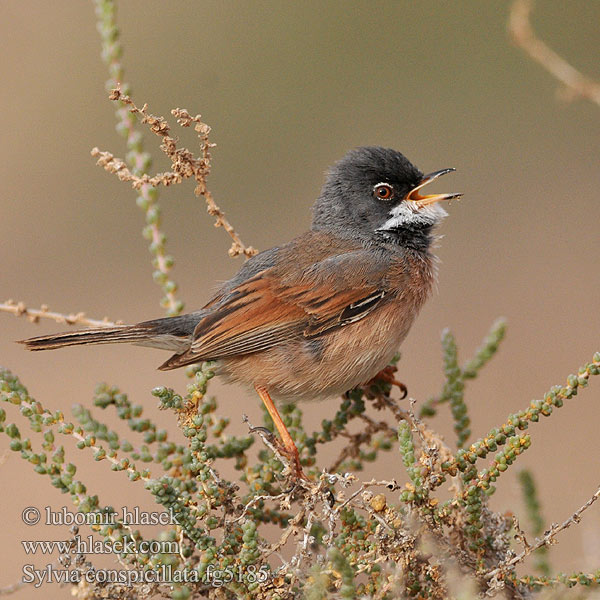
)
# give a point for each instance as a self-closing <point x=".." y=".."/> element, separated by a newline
<point x="421" y="201"/>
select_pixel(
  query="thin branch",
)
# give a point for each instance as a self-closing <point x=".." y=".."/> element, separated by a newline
<point x="34" y="315"/>
<point x="138" y="160"/>
<point x="184" y="164"/>
<point x="185" y="120"/>
<point x="358" y="440"/>
<point x="546" y="540"/>
<point x="391" y="484"/>
<point x="521" y="32"/>
<point x="269" y="440"/>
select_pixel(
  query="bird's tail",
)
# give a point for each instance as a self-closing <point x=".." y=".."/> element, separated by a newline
<point x="170" y="333"/>
<point x="98" y="335"/>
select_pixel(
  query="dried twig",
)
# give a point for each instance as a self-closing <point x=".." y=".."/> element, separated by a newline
<point x="183" y="163"/>
<point x="546" y="540"/>
<point x="391" y="484"/>
<point x="34" y="315"/>
<point x="270" y="441"/>
<point x="358" y="440"/>
<point x="185" y="120"/>
<point x="519" y="27"/>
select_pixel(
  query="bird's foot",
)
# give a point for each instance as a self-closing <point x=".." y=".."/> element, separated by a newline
<point x="293" y="457"/>
<point x="286" y="448"/>
<point x="289" y="454"/>
<point x="386" y="375"/>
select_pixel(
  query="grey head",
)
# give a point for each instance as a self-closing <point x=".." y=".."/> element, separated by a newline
<point x="373" y="193"/>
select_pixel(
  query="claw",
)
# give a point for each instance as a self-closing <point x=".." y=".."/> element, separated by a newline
<point x="387" y="375"/>
<point x="286" y="447"/>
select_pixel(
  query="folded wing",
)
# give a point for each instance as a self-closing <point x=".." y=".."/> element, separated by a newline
<point x="273" y="308"/>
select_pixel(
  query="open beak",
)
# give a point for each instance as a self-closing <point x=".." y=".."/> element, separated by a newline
<point x="421" y="201"/>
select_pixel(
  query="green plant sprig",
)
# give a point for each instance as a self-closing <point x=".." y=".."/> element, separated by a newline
<point x="554" y="398"/>
<point x="138" y="160"/>
<point x="536" y="520"/>
<point x="453" y="390"/>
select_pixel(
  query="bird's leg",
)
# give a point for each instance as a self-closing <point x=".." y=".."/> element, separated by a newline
<point x="289" y="448"/>
<point x="387" y="374"/>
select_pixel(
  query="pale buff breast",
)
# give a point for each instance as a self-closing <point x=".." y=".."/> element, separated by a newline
<point x="329" y="366"/>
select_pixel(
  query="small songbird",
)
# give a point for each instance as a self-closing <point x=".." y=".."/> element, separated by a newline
<point x="323" y="313"/>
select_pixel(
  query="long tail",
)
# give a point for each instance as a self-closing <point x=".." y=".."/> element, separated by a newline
<point x="170" y="333"/>
<point x="99" y="335"/>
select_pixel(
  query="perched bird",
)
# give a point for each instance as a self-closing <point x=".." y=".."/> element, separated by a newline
<point x="323" y="313"/>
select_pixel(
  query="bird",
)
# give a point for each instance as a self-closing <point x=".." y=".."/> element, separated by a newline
<point x="323" y="313"/>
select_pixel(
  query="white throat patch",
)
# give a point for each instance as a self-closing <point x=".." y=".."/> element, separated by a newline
<point x="408" y="213"/>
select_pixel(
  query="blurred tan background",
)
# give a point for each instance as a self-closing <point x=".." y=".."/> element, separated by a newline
<point x="288" y="88"/>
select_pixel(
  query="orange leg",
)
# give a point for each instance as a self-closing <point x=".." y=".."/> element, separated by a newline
<point x="288" y="442"/>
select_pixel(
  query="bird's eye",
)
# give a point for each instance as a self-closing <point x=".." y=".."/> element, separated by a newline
<point x="383" y="191"/>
